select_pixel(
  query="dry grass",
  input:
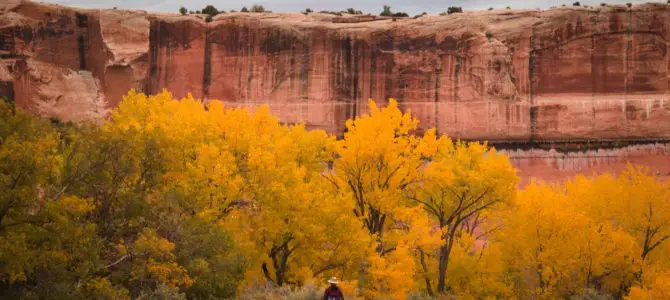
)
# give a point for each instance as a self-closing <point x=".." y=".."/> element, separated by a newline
<point x="307" y="292"/>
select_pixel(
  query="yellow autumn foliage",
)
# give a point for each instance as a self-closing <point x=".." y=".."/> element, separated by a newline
<point x="181" y="199"/>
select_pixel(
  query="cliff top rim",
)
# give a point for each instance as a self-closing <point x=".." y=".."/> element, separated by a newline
<point x="12" y="5"/>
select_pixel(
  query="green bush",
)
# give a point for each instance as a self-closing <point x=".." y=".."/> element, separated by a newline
<point x="210" y="10"/>
<point x="386" y="12"/>
<point x="454" y="9"/>
<point x="257" y="8"/>
<point x="352" y="11"/>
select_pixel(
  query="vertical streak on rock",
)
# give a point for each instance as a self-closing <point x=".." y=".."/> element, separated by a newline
<point x="355" y="91"/>
<point x="291" y="67"/>
<point x="388" y="77"/>
<point x="456" y="81"/>
<point x="7" y="42"/>
<point x="389" y="62"/>
<point x="438" y="74"/>
<point x="334" y="72"/>
<point x="82" y="35"/>
<point x="304" y="71"/>
<point x="594" y="89"/>
<point x="207" y="68"/>
<point x="232" y="49"/>
<point x="97" y="55"/>
<point x="249" y="54"/>
<point x="7" y="91"/>
<point x="154" y="50"/>
<point x="347" y="82"/>
<point x="365" y="65"/>
<point x="401" y="85"/>
<point x="626" y="60"/>
<point x="531" y="86"/>
<point x="457" y="72"/>
<point x="165" y="42"/>
<point x="373" y="71"/>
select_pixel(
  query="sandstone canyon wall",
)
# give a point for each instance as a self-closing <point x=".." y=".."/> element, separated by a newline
<point x="525" y="80"/>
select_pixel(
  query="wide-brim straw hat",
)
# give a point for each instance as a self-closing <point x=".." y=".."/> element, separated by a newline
<point x="332" y="280"/>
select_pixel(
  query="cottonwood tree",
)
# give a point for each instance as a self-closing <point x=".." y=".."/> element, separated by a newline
<point x="295" y="227"/>
<point x="378" y="158"/>
<point x="637" y="202"/>
<point x="556" y="248"/>
<point x="47" y="245"/>
<point x="462" y="183"/>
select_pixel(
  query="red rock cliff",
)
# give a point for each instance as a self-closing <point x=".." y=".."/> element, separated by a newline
<point x="569" y="74"/>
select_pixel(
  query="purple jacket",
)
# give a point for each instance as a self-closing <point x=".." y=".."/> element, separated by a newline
<point x="333" y="293"/>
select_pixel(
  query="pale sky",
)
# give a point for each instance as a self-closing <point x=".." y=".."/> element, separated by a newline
<point x="367" y="6"/>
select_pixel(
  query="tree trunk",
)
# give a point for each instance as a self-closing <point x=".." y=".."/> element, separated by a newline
<point x="445" y="251"/>
<point x="442" y="270"/>
<point x="279" y="255"/>
<point x="429" y="286"/>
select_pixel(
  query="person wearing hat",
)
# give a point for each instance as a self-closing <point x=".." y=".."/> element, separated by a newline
<point x="333" y="292"/>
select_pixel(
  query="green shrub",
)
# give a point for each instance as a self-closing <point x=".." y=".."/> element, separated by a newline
<point x="352" y="11"/>
<point x="257" y="8"/>
<point x="454" y="9"/>
<point x="183" y="11"/>
<point x="386" y="12"/>
<point x="210" y="10"/>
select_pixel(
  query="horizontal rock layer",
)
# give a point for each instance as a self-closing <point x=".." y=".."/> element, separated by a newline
<point x="553" y="165"/>
<point x="568" y="74"/>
